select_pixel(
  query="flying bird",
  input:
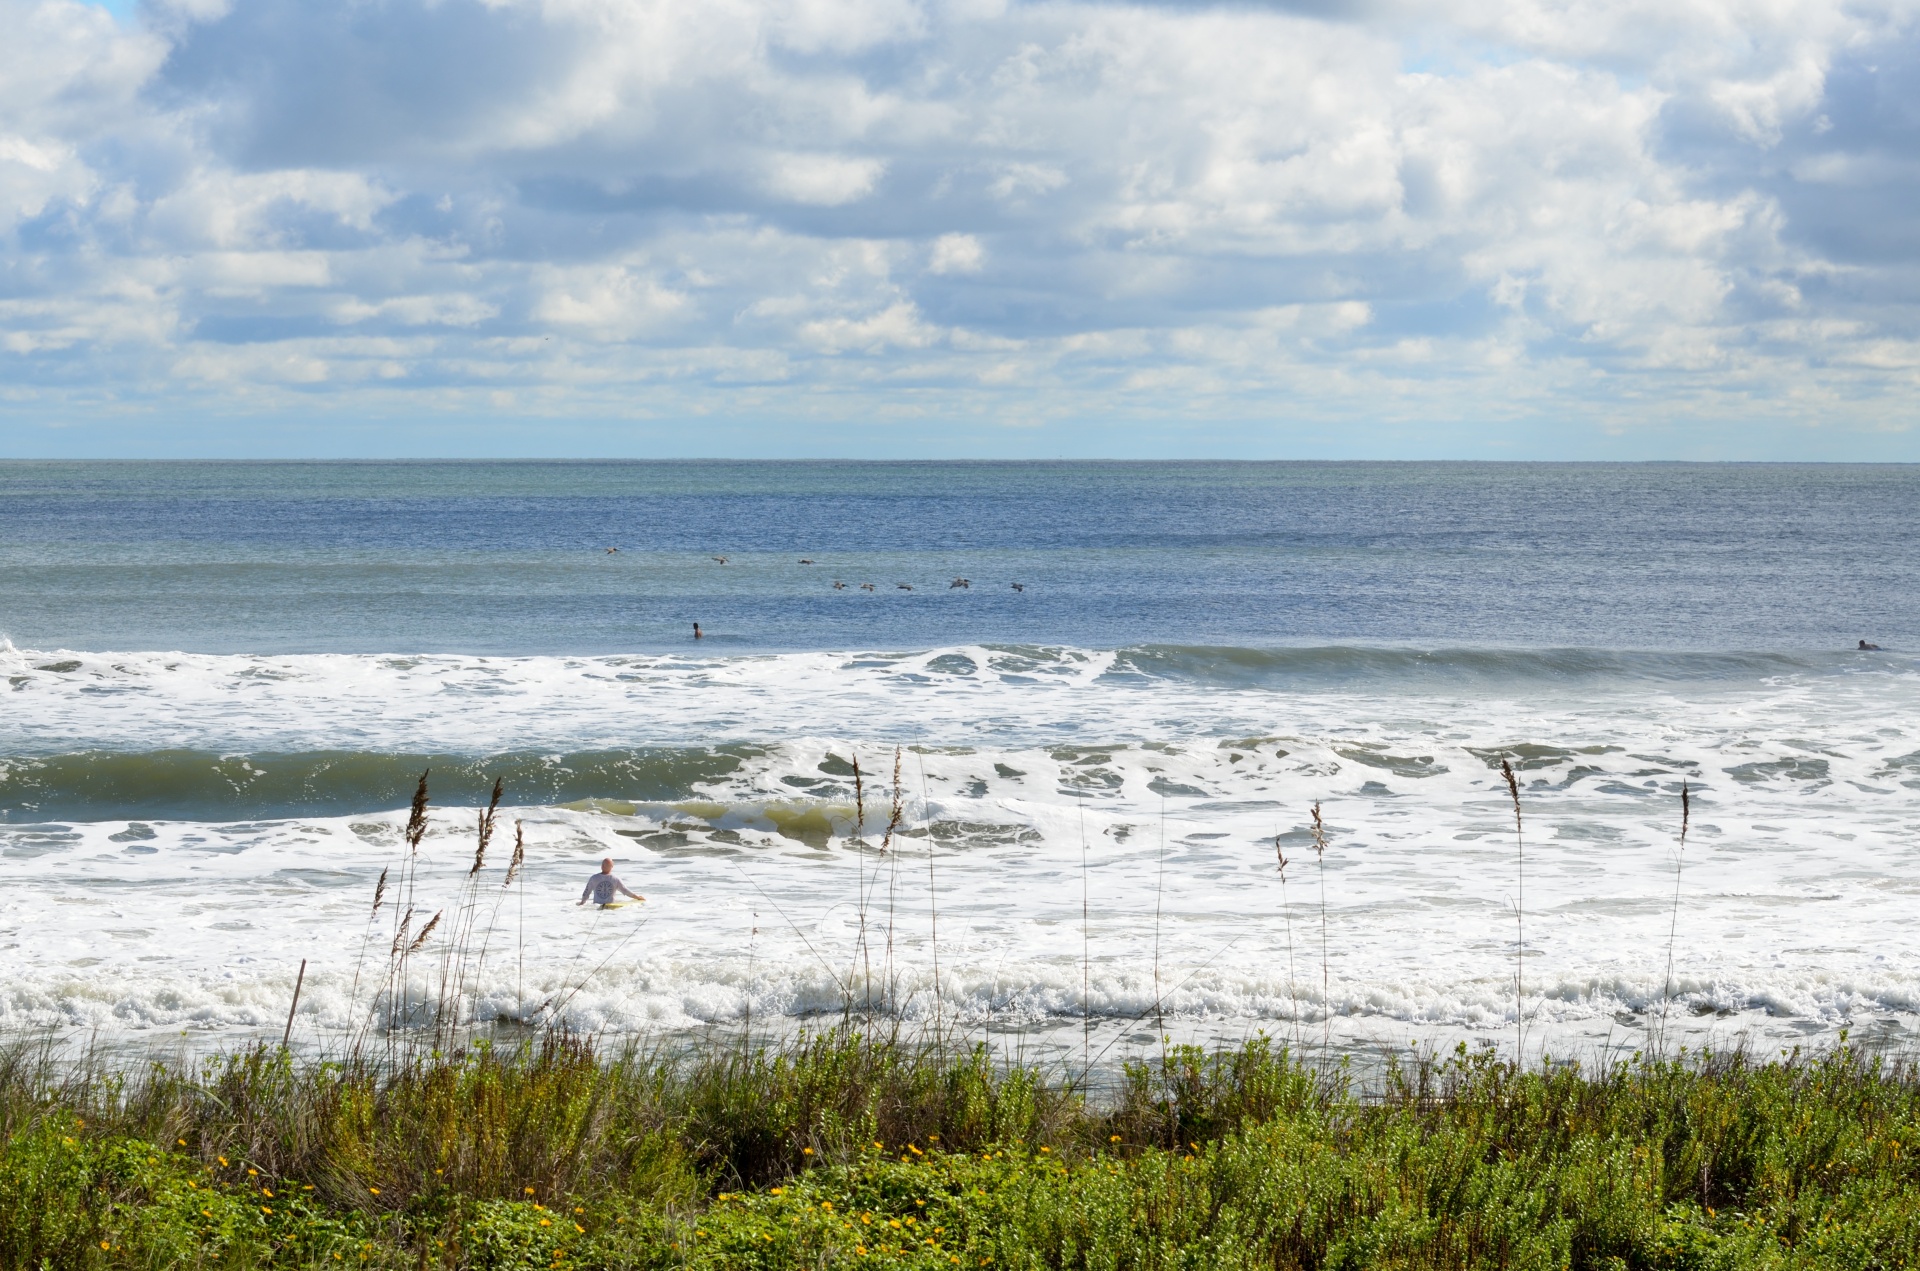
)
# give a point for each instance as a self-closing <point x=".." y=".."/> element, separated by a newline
<point x="806" y="562"/>
<point x="838" y="585"/>
<point x="721" y="559"/>
<point x="866" y="586"/>
<point x="1019" y="586"/>
<point x="959" y="582"/>
<point x="612" y="550"/>
<point x="904" y="586"/>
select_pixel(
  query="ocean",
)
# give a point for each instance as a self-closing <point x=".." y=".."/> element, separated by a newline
<point x="1112" y="695"/>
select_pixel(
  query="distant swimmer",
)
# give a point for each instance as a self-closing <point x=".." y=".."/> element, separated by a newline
<point x="721" y="559"/>
<point x="838" y="585"/>
<point x="866" y="586"/>
<point x="603" y="887"/>
<point x="1869" y="648"/>
<point x="959" y="582"/>
<point x="696" y="632"/>
<point x="1019" y="586"/>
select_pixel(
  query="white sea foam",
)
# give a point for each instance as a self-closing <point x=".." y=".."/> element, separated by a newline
<point x="1795" y="903"/>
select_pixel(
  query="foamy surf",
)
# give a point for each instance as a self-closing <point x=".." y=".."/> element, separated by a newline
<point x="180" y="830"/>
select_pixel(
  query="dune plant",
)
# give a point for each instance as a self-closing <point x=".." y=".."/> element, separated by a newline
<point x="836" y="1149"/>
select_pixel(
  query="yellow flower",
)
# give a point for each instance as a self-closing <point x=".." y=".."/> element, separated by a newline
<point x="374" y="1190"/>
<point x="578" y="1210"/>
<point x="105" y="1245"/>
<point x="827" y="1205"/>
<point x="265" y="1210"/>
<point x="253" y="1173"/>
<point x="546" y="1222"/>
<point x="267" y="1192"/>
<point x="181" y="1142"/>
<point x="1113" y="1138"/>
<point x="806" y="1151"/>
<point x="1046" y="1149"/>
<point x="221" y="1159"/>
<point x="579" y="1228"/>
<point x="861" y="1250"/>
<point x="527" y="1190"/>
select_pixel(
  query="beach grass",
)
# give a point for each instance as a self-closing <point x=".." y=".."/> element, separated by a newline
<point x="845" y="1150"/>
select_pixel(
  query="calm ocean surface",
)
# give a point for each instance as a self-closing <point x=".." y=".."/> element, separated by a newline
<point x="224" y="678"/>
<point x="509" y="558"/>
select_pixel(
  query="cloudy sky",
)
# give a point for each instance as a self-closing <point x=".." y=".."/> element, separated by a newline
<point x="1530" y="228"/>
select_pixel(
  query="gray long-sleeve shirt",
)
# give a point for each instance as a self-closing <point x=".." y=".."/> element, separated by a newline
<point x="601" y="889"/>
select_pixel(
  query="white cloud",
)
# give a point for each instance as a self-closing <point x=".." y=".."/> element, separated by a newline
<point x="817" y="26"/>
<point x="455" y="310"/>
<point x="606" y="304"/>
<point x="823" y="180"/>
<point x="956" y="254"/>
<point x="898" y="326"/>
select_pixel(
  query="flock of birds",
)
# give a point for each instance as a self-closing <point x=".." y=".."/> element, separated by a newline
<point x="839" y="585"/>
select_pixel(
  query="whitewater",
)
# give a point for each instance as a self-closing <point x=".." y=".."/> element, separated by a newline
<point x="1089" y="840"/>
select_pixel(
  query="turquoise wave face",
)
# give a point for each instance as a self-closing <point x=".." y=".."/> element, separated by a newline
<point x="197" y="785"/>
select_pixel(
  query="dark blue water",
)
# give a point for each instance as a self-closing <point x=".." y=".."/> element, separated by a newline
<point x="510" y="557"/>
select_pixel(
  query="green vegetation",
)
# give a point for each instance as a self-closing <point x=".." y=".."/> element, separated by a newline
<point x="840" y="1151"/>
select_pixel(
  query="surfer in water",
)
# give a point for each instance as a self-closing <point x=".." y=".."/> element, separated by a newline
<point x="603" y="886"/>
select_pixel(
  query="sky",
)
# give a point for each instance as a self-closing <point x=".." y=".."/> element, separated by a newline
<point x="1530" y="229"/>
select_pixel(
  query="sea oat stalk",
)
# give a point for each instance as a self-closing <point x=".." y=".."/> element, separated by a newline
<point x="1519" y="918"/>
<point x="1673" y="922"/>
<point x="1326" y="974"/>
